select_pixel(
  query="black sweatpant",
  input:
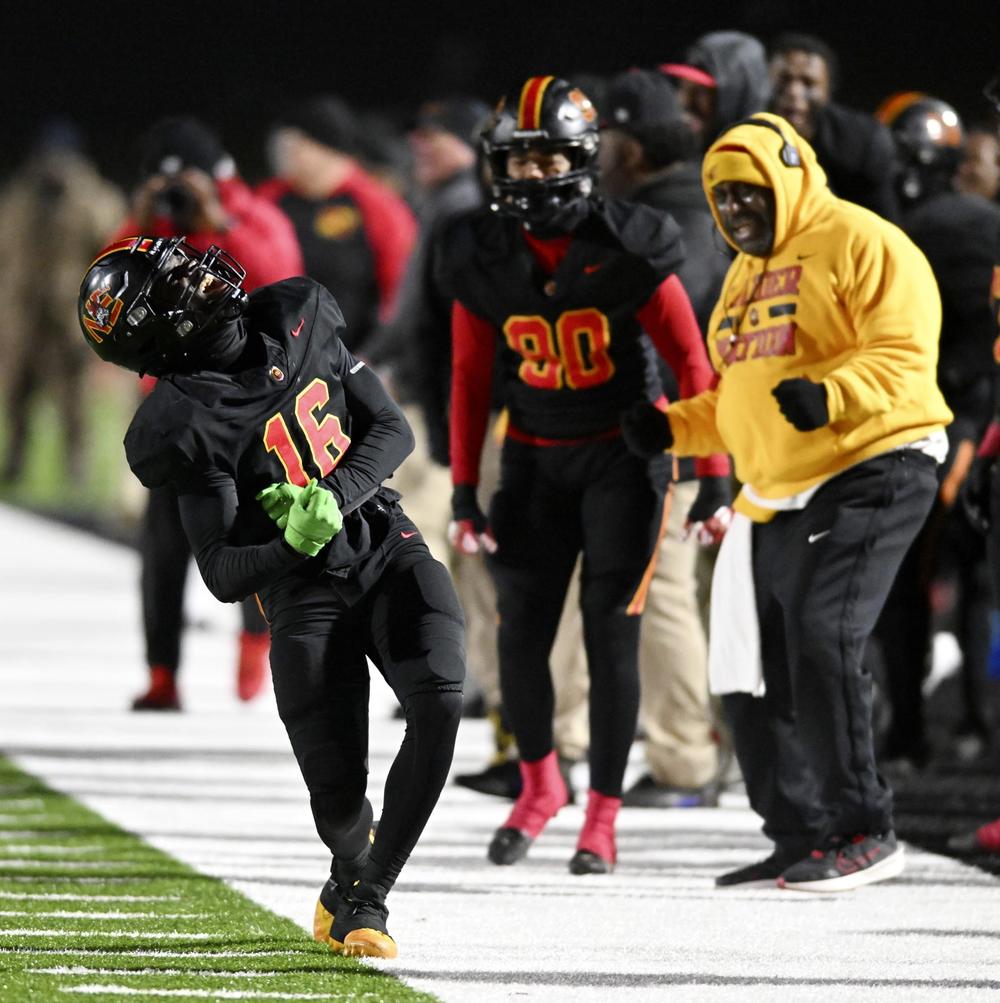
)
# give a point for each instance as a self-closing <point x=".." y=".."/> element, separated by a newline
<point x="410" y="624"/>
<point x="166" y="554"/>
<point x="821" y="575"/>
<point x="553" y="503"/>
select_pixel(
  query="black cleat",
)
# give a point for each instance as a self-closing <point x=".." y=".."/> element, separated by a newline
<point x="359" y="929"/>
<point x="508" y="846"/>
<point x="501" y="780"/>
<point x="647" y="793"/>
<point x="585" y="862"/>
<point x="766" y="871"/>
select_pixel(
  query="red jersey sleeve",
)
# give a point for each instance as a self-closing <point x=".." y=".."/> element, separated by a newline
<point x="669" y="320"/>
<point x="473" y="347"/>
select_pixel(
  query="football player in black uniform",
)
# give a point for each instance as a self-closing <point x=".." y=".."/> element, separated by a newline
<point x="559" y="287"/>
<point x="277" y="440"/>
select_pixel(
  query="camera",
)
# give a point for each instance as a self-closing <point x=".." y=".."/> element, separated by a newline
<point x="178" y="202"/>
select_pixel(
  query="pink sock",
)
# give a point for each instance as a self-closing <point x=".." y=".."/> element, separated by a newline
<point x="598" y="833"/>
<point x="543" y="793"/>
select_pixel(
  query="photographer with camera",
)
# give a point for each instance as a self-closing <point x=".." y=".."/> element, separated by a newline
<point x="189" y="187"/>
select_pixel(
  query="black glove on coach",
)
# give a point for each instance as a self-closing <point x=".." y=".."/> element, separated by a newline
<point x="646" y="429"/>
<point x="803" y="403"/>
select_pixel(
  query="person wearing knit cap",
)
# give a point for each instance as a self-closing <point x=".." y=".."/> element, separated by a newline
<point x="825" y="340"/>
<point x="356" y="233"/>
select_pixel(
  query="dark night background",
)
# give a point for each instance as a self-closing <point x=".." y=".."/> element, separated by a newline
<point x="115" y="66"/>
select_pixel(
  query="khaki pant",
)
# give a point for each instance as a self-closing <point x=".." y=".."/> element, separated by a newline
<point x="673" y="661"/>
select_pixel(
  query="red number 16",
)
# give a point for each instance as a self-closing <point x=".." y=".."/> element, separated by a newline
<point x="326" y="438"/>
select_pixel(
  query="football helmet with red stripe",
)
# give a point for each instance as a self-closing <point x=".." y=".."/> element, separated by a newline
<point x="146" y="302"/>
<point x="550" y="116"/>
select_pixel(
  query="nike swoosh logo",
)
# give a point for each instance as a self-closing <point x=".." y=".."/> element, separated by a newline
<point x="802" y="257"/>
<point x="406" y="535"/>
<point x="813" y="537"/>
<point x="295" y="333"/>
<point x="590" y="269"/>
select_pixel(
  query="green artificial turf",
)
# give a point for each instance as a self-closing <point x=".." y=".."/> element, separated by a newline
<point x="92" y="913"/>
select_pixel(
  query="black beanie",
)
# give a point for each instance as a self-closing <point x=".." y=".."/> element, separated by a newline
<point x="175" y="143"/>
<point x="325" y="119"/>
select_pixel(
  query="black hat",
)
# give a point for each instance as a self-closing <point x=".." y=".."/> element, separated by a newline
<point x="325" y="119"/>
<point x="463" y="117"/>
<point x="173" y="144"/>
<point x="638" y="100"/>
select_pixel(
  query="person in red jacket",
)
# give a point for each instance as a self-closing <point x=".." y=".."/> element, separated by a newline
<point x="189" y="187"/>
<point x="356" y="233"/>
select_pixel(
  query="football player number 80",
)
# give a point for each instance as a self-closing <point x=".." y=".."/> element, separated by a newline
<point x="326" y="438"/>
<point x="575" y="354"/>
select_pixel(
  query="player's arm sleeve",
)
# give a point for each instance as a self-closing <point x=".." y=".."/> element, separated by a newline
<point x="381" y="437"/>
<point x="473" y="347"/>
<point x="669" y="320"/>
<point x="208" y="507"/>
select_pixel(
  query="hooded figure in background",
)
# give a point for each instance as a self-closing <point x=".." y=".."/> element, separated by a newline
<point x="825" y="341"/>
<point x="723" y="78"/>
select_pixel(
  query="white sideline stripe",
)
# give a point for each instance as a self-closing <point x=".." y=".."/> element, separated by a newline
<point x="187" y="972"/>
<point x="103" y="952"/>
<point x="80" y="865"/>
<point x="123" y="934"/>
<point x="41" y="849"/>
<point x="94" y="914"/>
<point x="10" y="803"/>
<point x="24" y="818"/>
<point x="114" y="879"/>
<point x="63" y="897"/>
<point x="223" y="994"/>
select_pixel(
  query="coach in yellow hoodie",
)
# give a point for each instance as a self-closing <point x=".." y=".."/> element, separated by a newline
<point x="825" y="341"/>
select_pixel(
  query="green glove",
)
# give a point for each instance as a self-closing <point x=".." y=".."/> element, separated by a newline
<point x="277" y="500"/>
<point x="314" y="519"/>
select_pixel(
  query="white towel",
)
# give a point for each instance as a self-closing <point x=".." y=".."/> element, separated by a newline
<point x="734" y="664"/>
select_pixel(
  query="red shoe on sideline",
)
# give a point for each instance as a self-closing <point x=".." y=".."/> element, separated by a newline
<point x="985" y="839"/>
<point x="162" y="693"/>
<point x="251" y="672"/>
<point x="596" y="851"/>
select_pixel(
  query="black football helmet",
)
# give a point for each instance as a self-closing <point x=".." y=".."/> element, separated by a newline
<point x="929" y="140"/>
<point x="145" y="301"/>
<point x="547" y="114"/>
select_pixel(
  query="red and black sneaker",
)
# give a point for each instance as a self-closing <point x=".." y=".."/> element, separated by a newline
<point x="847" y="862"/>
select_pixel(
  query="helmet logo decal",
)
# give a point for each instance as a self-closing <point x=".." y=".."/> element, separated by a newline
<point x="100" y="313"/>
<point x="583" y="102"/>
<point x="529" y="110"/>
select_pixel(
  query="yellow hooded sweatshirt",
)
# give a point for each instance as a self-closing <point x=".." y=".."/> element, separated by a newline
<point x="844" y="298"/>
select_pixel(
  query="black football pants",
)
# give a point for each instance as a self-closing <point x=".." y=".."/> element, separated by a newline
<point x="821" y="575"/>
<point x="410" y="625"/>
<point x="166" y="554"/>
<point x="554" y="503"/>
